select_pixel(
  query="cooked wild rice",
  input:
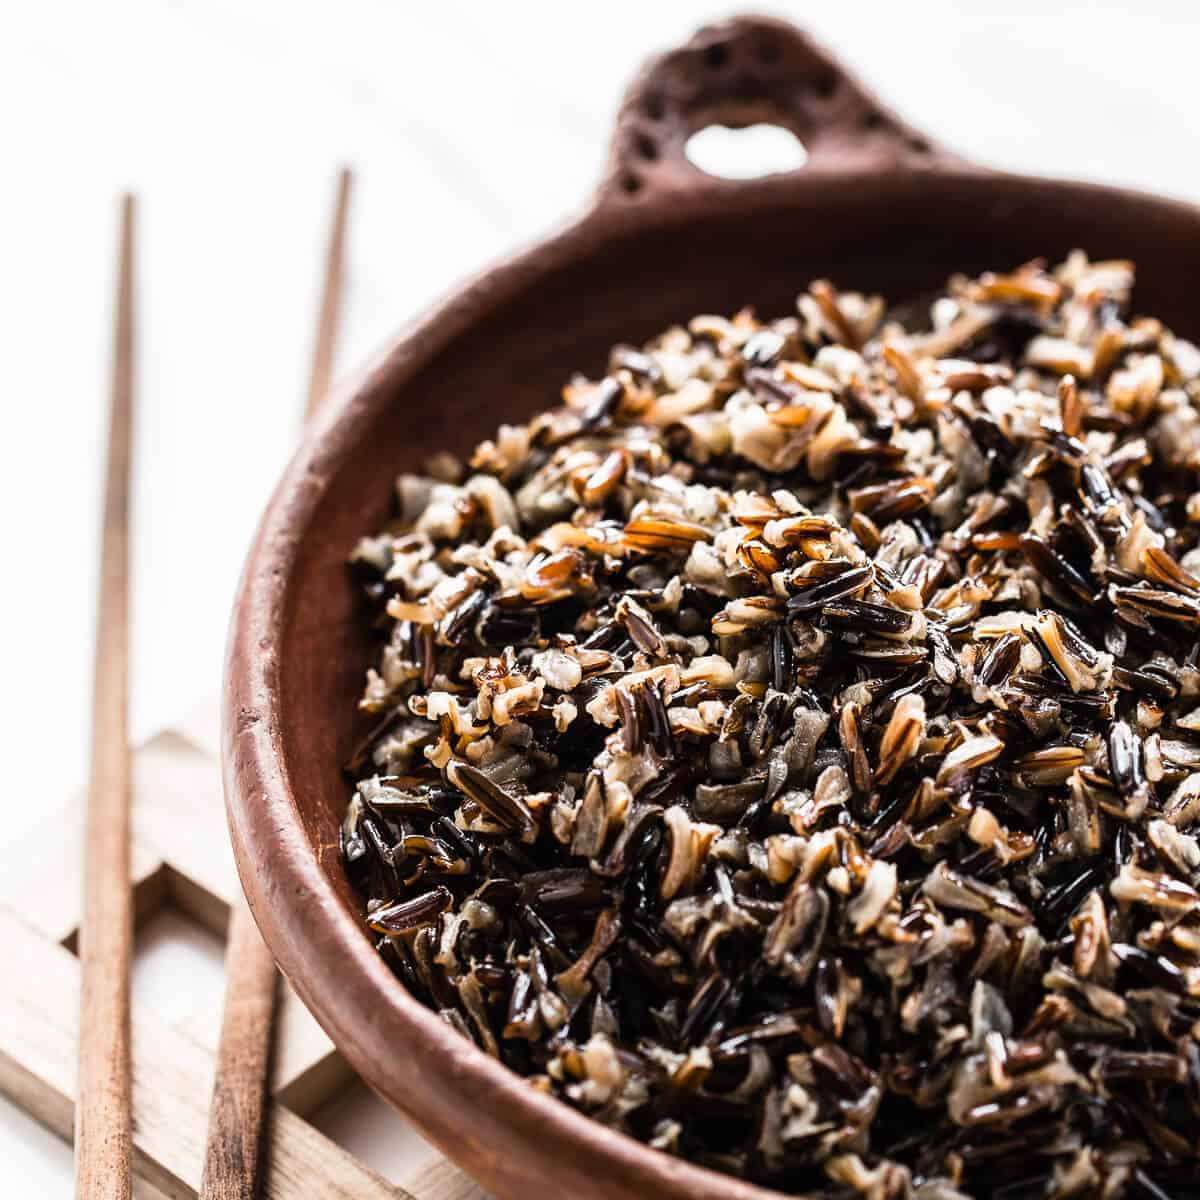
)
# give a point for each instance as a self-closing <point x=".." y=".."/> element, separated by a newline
<point x="787" y="749"/>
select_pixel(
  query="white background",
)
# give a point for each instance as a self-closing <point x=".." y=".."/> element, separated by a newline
<point x="472" y="128"/>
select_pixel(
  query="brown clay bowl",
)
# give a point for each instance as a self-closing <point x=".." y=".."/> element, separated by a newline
<point x="877" y="206"/>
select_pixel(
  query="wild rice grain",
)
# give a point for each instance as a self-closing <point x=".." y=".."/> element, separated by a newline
<point x="786" y="750"/>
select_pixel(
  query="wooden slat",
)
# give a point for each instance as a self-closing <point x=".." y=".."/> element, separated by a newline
<point x="172" y="1079"/>
<point x="178" y="814"/>
<point x="45" y="887"/>
<point x="103" y="1136"/>
<point x="181" y="857"/>
<point x="178" y="811"/>
<point x="307" y="1072"/>
<point x="440" y="1179"/>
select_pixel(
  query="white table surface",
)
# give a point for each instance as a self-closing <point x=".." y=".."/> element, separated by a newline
<point x="472" y="128"/>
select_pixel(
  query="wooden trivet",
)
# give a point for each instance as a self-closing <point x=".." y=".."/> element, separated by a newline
<point x="181" y="859"/>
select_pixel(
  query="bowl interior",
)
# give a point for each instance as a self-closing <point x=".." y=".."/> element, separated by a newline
<point x="903" y="237"/>
<point x="505" y="350"/>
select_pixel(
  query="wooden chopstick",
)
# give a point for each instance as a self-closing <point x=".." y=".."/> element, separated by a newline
<point x="103" y="1120"/>
<point x="232" y="1162"/>
<point x="321" y="367"/>
<point x="234" y="1143"/>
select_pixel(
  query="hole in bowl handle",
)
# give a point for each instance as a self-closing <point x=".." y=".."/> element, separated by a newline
<point x="742" y="72"/>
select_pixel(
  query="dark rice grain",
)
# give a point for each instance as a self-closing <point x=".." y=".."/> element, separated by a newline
<point x="787" y="750"/>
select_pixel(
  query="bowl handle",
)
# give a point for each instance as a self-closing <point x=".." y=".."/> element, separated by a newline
<point x="747" y="70"/>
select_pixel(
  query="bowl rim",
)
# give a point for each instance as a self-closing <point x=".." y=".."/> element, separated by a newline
<point x="331" y="964"/>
